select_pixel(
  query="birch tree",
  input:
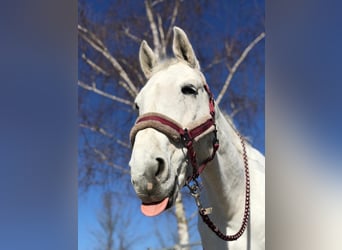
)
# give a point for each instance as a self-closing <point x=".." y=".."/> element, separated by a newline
<point x="110" y="235"/>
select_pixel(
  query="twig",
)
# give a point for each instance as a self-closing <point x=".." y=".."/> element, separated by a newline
<point x="192" y="216"/>
<point x="213" y="63"/>
<point x="96" y="43"/>
<point x="142" y="81"/>
<point x="237" y="64"/>
<point x="104" y="158"/>
<point x="160" y="27"/>
<point x="94" y="89"/>
<point x="156" y="2"/>
<point x="91" y="35"/>
<point x="105" y="133"/>
<point x="94" y="65"/>
<point x="162" y="36"/>
<point x="235" y="112"/>
<point x="172" y="23"/>
<point x="153" y="26"/>
<point x="130" y="35"/>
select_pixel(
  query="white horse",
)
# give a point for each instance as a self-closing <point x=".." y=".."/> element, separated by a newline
<point x="175" y="97"/>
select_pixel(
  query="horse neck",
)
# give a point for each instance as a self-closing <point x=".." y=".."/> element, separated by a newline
<point x="223" y="178"/>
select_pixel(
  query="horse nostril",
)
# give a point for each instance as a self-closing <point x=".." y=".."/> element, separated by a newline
<point x="161" y="166"/>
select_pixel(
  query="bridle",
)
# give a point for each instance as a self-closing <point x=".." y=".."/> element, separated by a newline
<point x="187" y="137"/>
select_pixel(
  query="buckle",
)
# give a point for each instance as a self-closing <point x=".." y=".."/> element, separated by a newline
<point x="195" y="192"/>
<point x="185" y="138"/>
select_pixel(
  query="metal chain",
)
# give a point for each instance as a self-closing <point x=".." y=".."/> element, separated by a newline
<point x="194" y="190"/>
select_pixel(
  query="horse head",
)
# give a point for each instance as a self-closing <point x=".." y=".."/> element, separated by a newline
<point x="176" y="91"/>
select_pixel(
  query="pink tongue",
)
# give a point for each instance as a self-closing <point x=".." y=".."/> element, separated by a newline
<point x="154" y="209"/>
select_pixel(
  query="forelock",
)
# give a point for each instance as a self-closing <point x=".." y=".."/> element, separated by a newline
<point x="164" y="64"/>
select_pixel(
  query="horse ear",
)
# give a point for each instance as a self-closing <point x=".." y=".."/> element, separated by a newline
<point x="182" y="48"/>
<point x="147" y="59"/>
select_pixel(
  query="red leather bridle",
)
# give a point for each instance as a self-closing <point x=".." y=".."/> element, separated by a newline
<point x="186" y="136"/>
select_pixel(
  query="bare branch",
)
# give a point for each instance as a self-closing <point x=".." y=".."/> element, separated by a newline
<point x="105" y="133"/>
<point x="96" y="129"/>
<point x="237" y="64"/>
<point x="173" y="20"/>
<point x="142" y="80"/>
<point x="235" y="112"/>
<point x="94" y="65"/>
<point x="96" y="43"/>
<point x="102" y="93"/>
<point x="153" y="26"/>
<point x="130" y="35"/>
<point x="105" y="159"/>
<point x="228" y="66"/>
<point x="213" y="63"/>
<point x="91" y="35"/>
<point x="229" y="46"/>
<point x="156" y="2"/>
<point x="162" y="36"/>
<point x="193" y="215"/>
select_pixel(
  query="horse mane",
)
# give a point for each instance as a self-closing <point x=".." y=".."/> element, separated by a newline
<point x="229" y="119"/>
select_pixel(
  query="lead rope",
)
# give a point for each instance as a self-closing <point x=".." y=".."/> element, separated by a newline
<point x="195" y="192"/>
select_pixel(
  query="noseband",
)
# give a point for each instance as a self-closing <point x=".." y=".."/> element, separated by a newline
<point x="185" y="136"/>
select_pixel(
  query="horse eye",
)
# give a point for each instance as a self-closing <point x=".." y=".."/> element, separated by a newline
<point x="189" y="90"/>
<point x="136" y="106"/>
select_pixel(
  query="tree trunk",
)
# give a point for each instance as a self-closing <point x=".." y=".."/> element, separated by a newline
<point x="182" y="223"/>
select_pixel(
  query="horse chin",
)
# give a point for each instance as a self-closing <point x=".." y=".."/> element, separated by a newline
<point x="154" y="208"/>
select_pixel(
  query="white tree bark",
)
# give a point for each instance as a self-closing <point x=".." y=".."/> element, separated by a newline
<point x="182" y="223"/>
<point x="154" y="29"/>
<point x="172" y="23"/>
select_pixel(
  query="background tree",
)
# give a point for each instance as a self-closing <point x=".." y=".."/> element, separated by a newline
<point x="226" y="37"/>
<point x="111" y="219"/>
